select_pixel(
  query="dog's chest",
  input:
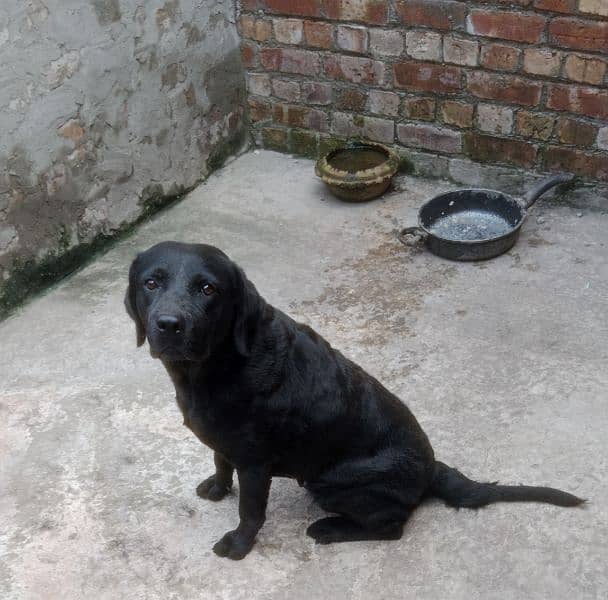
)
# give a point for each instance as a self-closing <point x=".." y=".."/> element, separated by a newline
<point x="202" y="416"/>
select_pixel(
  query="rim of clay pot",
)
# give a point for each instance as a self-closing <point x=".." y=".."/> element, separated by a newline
<point x="332" y="176"/>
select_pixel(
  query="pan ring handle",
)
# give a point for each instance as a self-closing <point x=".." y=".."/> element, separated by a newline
<point x="412" y="236"/>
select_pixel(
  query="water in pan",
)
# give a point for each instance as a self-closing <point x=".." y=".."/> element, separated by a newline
<point x="357" y="159"/>
<point x="470" y="225"/>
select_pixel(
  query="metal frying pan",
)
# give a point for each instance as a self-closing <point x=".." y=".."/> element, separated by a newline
<point x="473" y="224"/>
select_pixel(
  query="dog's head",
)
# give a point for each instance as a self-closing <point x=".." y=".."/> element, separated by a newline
<point x="190" y="300"/>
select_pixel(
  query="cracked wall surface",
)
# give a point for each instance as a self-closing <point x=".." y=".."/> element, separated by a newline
<point x="107" y="109"/>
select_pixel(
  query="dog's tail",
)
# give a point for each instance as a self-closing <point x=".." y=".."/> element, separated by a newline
<point x="461" y="492"/>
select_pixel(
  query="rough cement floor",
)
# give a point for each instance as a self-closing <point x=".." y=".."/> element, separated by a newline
<point x="503" y="362"/>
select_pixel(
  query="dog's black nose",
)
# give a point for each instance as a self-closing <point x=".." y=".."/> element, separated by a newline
<point x="169" y="324"/>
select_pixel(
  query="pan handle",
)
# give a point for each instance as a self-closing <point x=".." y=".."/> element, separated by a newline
<point x="537" y="191"/>
<point x="412" y="236"/>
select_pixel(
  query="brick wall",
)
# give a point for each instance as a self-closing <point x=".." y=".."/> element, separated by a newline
<point x="519" y="82"/>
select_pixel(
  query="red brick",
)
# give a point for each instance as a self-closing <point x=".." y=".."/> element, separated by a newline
<point x="316" y="93"/>
<point x="561" y="6"/>
<point x="557" y="158"/>
<point x="355" y="69"/>
<point x="506" y="25"/>
<point x="457" y="113"/>
<point x="582" y="35"/>
<point x="370" y="12"/>
<point x="577" y="99"/>
<point x="300" y="8"/>
<point x="430" y="137"/>
<point x="436" y="14"/>
<point x="300" y="116"/>
<point x="427" y="77"/>
<point x="259" y="111"/>
<point x="318" y="34"/>
<point x="577" y="133"/>
<point x="352" y="38"/>
<point x="249" y="54"/>
<point x="422" y="109"/>
<point x="500" y="57"/>
<point x="351" y="99"/>
<point x="486" y="148"/>
<point x="380" y="130"/>
<point x="288" y="60"/>
<point x="249" y="4"/>
<point x="505" y="88"/>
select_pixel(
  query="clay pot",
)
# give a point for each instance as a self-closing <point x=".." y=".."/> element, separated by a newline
<point x="359" y="171"/>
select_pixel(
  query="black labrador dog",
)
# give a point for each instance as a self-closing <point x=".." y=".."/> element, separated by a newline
<point x="273" y="399"/>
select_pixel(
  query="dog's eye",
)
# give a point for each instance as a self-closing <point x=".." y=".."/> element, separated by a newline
<point x="151" y="284"/>
<point x="207" y="289"/>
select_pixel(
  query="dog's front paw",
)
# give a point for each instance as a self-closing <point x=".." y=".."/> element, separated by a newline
<point x="211" y="490"/>
<point x="234" y="545"/>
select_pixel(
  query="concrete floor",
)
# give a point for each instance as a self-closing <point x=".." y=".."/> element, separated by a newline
<point x="503" y="362"/>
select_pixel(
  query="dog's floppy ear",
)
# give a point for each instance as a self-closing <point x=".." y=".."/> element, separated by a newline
<point x="131" y="306"/>
<point x="248" y="312"/>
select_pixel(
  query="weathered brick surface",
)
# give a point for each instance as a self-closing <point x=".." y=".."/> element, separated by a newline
<point x="419" y="108"/>
<point x="499" y="57"/>
<point x="372" y="12"/>
<point x="286" y="89"/>
<point x="560" y="6"/>
<point x="579" y="34"/>
<point x="505" y="88"/>
<point x="316" y="93"/>
<point x="287" y="60"/>
<point x="460" y="51"/>
<point x="458" y="114"/>
<point x="577" y="99"/>
<point x="386" y="42"/>
<point x="542" y="61"/>
<point x="288" y="31"/>
<point x="355" y="69"/>
<point x="300" y="116"/>
<point x="534" y="125"/>
<point x="427" y="77"/>
<point x="594" y="7"/>
<point x="423" y="45"/>
<point x="485" y="148"/>
<point x="576" y="132"/>
<point x="301" y="8"/>
<point x="352" y="38"/>
<point x="523" y="82"/>
<point x="351" y="99"/>
<point x="430" y="137"/>
<point x="437" y="14"/>
<point x="259" y="84"/>
<point x="518" y="27"/>
<point x="383" y="103"/>
<point x="318" y="34"/>
<point x="373" y="128"/>
<point x="585" y="69"/>
<point x="558" y="158"/>
<point x="494" y="119"/>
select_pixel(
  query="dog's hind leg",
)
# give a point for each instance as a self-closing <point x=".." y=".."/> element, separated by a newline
<point x="218" y="485"/>
<point x="365" y="514"/>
